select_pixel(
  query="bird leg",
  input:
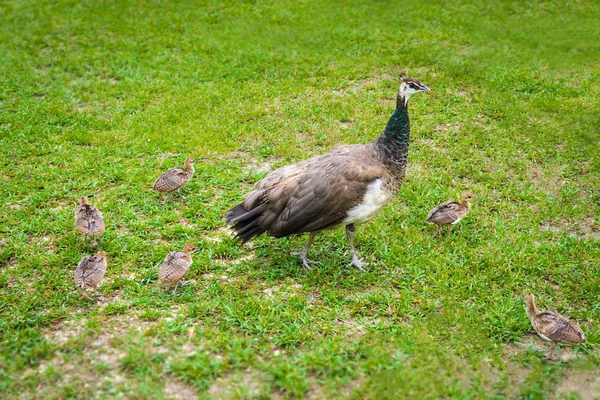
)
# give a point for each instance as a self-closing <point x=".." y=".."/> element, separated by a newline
<point x="84" y="293"/>
<point x="551" y="355"/>
<point x="179" y="192"/>
<point x="356" y="262"/>
<point x="164" y="198"/>
<point x="302" y="254"/>
<point x="439" y="230"/>
<point x="175" y="289"/>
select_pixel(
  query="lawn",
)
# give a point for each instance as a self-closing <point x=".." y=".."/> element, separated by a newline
<point x="98" y="98"/>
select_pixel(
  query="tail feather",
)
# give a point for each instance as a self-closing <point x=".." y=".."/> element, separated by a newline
<point x="245" y="222"/>
<point x="250" y="233"/>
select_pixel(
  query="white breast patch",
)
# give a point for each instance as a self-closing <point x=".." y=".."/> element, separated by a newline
<point x="456" y="222"/>
<point x="373" y="201"/>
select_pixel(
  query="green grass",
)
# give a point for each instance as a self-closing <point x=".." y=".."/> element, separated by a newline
<point x="98" y="98"/>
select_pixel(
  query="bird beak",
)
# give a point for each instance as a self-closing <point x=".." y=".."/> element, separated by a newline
<point x="424" y="88"/>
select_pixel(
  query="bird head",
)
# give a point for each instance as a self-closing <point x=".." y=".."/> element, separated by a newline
<point x="410" y="86"/>
<point x="84" y="201"/>
<point x="528" y="296"/>
<point x="467" y="196"/>
<point x="189" y="248"/>
<point x="101" y="254"/>
<point x="189" y="162"/>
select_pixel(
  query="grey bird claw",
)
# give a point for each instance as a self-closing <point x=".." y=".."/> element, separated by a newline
<point x="305" y="261"/>
<point x="358" y="263"/>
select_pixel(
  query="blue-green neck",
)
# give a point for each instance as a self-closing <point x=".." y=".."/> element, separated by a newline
<point x="393" y="142"/>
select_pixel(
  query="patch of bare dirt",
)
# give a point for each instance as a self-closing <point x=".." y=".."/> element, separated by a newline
<point x="160" y="242"/>
<point x="45" y="242"/>
<point x="252" y="163"/>
<point x="353" y="385"/>
<point x="184" y="222"/>
<point x="217" y="235"/>
<point x="550" y="183"/>
<point x="345" y="124"/>
<point x="62" y="332"/>
<point x="175" y="389"/>
<point x="315" y="390"/>
<point x="515" y="372"/>
<point x="446" y="129"/>
<point x="535" y="343"/>
<point x="168" y="155"/>
<point x="13" y="206"/>
<point x="585" y="384"/>
<point x="352" y="327"/>
<point x="282" y="290"/>
<point x="105" y="347"/>
<point x="12" y="263"/>
<point x="362" y="84"/>
<point x="239" y="260"/>
<point x="587" y="228"/>
<point x="415" y="169"/>
<point x="248" y="384"/>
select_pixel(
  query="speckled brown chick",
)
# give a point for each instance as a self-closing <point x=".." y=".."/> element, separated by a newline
<point x="551" y="326"/>
<point x="451" y="212"/>
<point x="175" y="266"/>
<point x="89" y="220"/>
<point x="174" y="179"/>
<point x="89" y="272"/>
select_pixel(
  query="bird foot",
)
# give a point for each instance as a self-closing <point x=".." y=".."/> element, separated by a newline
<point x="305" y="261"/>
<point x="87" y="297"/>
<point x="358" y="263"/>
<point x="550" y="356"/>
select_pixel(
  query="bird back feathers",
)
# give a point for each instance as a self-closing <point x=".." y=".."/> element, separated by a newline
<point x="446" y="213"/>
<point x="174" y="267"/>
<point x="173" y="179"/>
<point x="90" y="271"/>
<point x="557" y="328"/>
<point x="89" y="220"/>
<point x="309" y="196"/>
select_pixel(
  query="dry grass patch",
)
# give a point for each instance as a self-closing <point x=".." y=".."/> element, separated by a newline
<point x="177" y="390"/>
<point x="585" y="384"/>
<point x="583" y="229"/>
<point x="282" y="290"/>
<point x="549" y="182"/>
<point x="246" y="384"/>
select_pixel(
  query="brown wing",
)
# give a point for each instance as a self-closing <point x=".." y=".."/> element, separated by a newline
<point x="174" y="267"/>
<point x="315" y="194"/>
<point x="90" y="271"/>
<point x="89" y="220"/>
<point x="436" y="209"/>
<point x="173" y="179"/>
<point x="82" y="271"/>
<point x="558" y="328"/>
<point x="446" y="213"/>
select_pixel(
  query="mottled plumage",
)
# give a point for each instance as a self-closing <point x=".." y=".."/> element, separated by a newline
<point x="551" y="326"/>
<point x="451" y="212"/>
<point x="88" y="219"/>
<point x="175" y="178"/>
<point x="90" y="271"/>
<point x="175" y="266"/>
<point x="345" y="187"/>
